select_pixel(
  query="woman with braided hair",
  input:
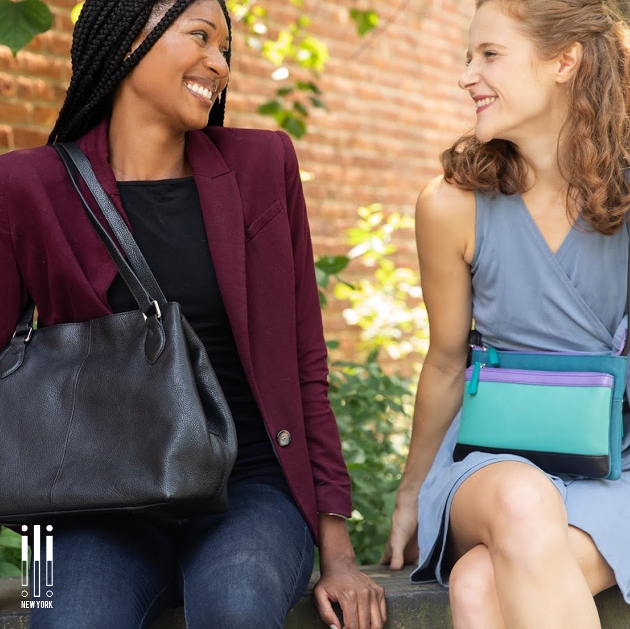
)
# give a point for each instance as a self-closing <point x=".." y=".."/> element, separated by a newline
<point x="219" y="215"/>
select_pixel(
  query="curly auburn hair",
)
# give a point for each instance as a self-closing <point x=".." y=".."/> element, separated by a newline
<point x="102" y="40"/>
<point x="596" y="135"/>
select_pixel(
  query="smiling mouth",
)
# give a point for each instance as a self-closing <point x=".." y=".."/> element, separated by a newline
<point x="202" y="91"/>
<point x="485" y="102"/>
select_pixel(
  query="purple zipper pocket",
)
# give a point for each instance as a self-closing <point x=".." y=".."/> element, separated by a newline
<point x="476" y="373"/>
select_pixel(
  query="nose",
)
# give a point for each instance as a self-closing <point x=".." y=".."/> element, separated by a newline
<point x="468" y="78"/>
<point x="216" y="63"/>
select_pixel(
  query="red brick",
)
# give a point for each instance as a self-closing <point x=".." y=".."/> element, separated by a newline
<point x="44" y="116"/>
<point x="37" y="65"/>
<point x="32" y="89"/>
<point x="36" y="45"/>
<point x="15" y="112"/>
<point x="58" y="43"/>
<point x="8" y="86"/>
<point x="6" y="137"/>
<point x="62" y="22"/>
<point x="7" y="60"/>
<point x="66" y="5"/>
<point x="25" y="138"/>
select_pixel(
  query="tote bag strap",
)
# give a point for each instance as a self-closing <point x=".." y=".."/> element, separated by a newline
<point x="136" y="273"/>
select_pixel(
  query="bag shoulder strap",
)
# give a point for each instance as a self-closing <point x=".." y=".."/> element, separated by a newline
<point x="136" y="273"/>
<point x="626" y="348"/>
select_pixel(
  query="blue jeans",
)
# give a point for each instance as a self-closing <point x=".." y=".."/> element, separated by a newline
<point x="242" y="569"/>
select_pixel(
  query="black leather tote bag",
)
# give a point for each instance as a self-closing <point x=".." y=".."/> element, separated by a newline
<point x="120" y="413"/>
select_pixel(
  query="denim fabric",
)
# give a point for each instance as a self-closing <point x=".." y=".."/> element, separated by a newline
<point x="242" y="569"/>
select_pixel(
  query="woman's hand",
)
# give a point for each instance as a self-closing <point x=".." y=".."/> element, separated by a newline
<point x="361" y="600"/>
<point x="402" y="545"/>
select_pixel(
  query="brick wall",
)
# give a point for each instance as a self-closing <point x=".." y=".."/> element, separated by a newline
<point x="392" y="97"/>
<point x="33" y="84"/>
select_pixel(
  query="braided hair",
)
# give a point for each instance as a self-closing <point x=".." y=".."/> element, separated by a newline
<point x="103" y="36"/>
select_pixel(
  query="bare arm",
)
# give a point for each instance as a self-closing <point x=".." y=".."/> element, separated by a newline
<point x="445" y="227"/>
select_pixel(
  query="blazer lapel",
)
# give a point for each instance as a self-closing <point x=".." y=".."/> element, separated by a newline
<point x="222" y="210"/>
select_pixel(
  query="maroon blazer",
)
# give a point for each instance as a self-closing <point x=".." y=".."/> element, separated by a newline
<point x="255" y="217"/>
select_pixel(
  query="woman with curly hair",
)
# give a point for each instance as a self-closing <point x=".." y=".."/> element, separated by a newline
<point x="220" y="217"/>
<point x="526" y="234"/>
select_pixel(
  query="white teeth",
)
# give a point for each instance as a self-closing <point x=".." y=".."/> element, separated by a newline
<point x="485" y="101"/>
<point x="201" y="90"/>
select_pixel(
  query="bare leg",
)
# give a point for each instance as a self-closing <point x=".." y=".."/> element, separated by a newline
<point x="517" y="514"/>
<point x="473" y="592"/>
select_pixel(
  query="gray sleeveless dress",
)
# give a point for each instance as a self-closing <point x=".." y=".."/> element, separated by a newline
<point x="527" y="298"/>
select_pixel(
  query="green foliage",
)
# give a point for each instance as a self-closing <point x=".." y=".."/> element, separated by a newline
<point x="327" y="267"/>
<point x="292" y="46"/>
<point x="386" y="306"/>
<point x="10" y="553"/>
<point x="365" y="20"/>
<point x="371" y="409"/>
<point x="21" y="21"/>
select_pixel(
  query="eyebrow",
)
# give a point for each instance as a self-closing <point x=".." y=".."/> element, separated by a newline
<point x="209" y="23"/>
<point x="200" y="19"/>
<point x="483" y="47"/>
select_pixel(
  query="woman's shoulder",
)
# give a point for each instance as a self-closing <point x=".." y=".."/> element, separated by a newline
<point x="441" y="201"/>
<point x="23" y="164"/>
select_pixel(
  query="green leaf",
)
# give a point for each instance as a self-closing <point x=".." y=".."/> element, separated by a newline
<point x="332" y="344"/>
<point x="312" y="54"/>
<point x="294" y="126"/>
<point x="308" y="86"/>
<point x="10" y="539"/>
<point x="332" y="264"/>
<point x="317" y="102"/>
<point x="365" y="20"/>
<point x="299" y="107"/>
<point x="9" y="570"/>
<point x="270" y="108"/>
<point x="76" y="11"/>
<point x="21" y="21"/>
<point x="284" y="91"/>
<point x="322" y="277"/>
<point x="323" y="302"/>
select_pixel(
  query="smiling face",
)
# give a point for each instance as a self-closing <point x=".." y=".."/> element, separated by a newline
<point x="179" y="79"/>
<point x="517" y="94"/>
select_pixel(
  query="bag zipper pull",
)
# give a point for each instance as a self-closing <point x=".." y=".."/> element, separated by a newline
<point x="473" y="383"/>
<point x="493" y="356"/>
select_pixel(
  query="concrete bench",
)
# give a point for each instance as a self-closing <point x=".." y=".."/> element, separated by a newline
<point x="408" y="606"/>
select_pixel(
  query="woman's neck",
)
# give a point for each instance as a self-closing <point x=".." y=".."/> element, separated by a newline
<point x="140" y="152"/>
<point x="540" y="154"/>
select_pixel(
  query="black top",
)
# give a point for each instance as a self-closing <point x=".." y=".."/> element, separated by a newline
<point x="168" y="226"/>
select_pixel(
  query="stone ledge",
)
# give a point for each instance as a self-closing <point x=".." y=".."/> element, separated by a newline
<point x="408" y="606"/>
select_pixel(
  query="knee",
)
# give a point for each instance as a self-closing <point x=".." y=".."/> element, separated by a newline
<point x="471" y="587"/>
<point x="530" y="516"/>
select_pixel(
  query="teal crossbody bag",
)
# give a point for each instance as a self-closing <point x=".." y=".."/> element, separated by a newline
<point x="563" y="412"/>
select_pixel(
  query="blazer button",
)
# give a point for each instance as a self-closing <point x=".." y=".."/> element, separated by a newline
<point x="283" y="438"/>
